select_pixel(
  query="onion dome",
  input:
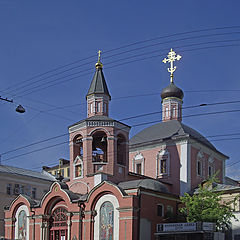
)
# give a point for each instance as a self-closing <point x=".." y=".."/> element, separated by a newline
<point x="172" y="91"/>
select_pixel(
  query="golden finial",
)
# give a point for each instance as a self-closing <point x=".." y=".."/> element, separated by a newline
<point x="172" y="57"/>
<point x="99" y="64"/>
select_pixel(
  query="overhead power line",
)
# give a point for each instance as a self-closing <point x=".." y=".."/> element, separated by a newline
<point x="122" y="47"/>
<point x="155" y="140"/>
<point x="135" y="125"/>
<point x="131" y="117"/>
<point x="65" y="79"/>
<point x="142" y="47"/>
<point x="39" y="81"/>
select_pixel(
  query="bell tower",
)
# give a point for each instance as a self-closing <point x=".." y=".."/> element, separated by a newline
<point x="172" y="96"/>
<point x="98" y="144"/>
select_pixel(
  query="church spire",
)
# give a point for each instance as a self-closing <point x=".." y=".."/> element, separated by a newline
<point x="98" y="96"/>
<point x="172" y="95"/>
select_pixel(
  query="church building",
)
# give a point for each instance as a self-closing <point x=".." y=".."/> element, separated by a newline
<point x="118" y="189"/>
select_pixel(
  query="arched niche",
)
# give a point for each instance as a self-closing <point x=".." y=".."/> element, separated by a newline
<point x="78" y="167"/>
<point x="107" y="203"/>
<point x="22" y="223"/>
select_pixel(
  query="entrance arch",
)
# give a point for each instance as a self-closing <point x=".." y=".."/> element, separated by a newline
<point x="58" y="224"/>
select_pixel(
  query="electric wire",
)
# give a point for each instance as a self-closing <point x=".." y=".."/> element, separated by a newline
<point x="135" y="125"/>
<point x="21" y="89"/>
<point x="56" y="81"/>
<point x="123" y="119"/>
<point x="110" y="154"/>
<point x="125" y="46"/>
<point x="183" y="39"/>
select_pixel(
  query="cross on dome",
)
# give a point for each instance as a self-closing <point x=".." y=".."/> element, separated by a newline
<point x="99" y="64"/>
<point x="172" y="57"/>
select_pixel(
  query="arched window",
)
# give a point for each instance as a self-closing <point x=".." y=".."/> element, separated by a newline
<point x="78" y="146"/>
<point x="138" y="164"/>
<point x="78" y="167"/>
<point x="58" y="224"/>
<point x="106" y="224"/>
<point x="211" y="167"/>
<point x="121" y="150"/>
<point x="200" y="160"/>
<point x="163" y="162"/>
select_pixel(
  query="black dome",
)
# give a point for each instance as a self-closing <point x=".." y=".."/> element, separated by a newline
<point x="172" y="91"/>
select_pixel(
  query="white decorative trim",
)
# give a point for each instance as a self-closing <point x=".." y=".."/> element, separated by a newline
<point x="185" y="169"/>
<point x="22" y="208"/>
<point x="139" y="159"/>
<point x="160" y="156"/>
<point x="107" y="198"/>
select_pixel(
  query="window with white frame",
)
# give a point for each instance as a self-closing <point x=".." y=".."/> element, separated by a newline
<point x="78" y="168"/>
<point x="163" y="162"/>
<point x="211" y="167"/>
<point x="200" y="159"/>
<point x="138" y="163"/>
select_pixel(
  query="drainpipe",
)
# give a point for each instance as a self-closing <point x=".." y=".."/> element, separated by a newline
<point x="33" y="217"/>
<point x="139" y="212"/>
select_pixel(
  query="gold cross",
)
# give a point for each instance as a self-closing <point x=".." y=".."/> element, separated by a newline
<point x="172" y="57"/>
<point x="99" y="55"/>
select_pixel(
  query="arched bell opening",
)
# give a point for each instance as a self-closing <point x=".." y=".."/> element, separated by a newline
<point x="121" y="149"/>
<point x="99" y="147"/>
<point x="78" y="146"/>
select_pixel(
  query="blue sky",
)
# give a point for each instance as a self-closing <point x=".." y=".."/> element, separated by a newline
<point x="39" y="36"/>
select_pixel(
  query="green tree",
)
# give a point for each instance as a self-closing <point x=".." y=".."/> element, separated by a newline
<point x="207" y="206"/>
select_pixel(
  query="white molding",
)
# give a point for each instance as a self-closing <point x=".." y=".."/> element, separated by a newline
<point x="139" y="159"/>
<point x="159" y="158"/>
<point x="185" y="169"/>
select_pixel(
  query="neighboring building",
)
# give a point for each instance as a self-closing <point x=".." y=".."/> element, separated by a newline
<point x="230" y="192"/>
<point x="63" y="167"/>
<point x="15" y="181"/>
<point x="112" y="196"/>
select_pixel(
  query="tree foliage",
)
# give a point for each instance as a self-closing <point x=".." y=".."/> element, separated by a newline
<point x="207" y="206"/>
